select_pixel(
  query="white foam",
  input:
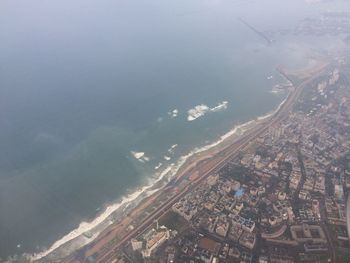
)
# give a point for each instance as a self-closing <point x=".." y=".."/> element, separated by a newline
<point x="158" y="166"/>
<point x="221" y="106"/>
<point x="87" y="226"/>
<point x="202" y="109"/>
<point x="172" y="148"/>
<point x="275" y="91"/>
<point x="174" y="113"/>
<point x="167" y="158"/>
<point x="268" y="115"/>
<point x="197" y="112"/>
<point x="140" y="156"/>
<point x="147" y="190"/>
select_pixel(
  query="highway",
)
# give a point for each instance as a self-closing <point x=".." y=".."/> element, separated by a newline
<point x="219" y="161"/>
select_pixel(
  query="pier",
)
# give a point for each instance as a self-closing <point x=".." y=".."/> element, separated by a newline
<point x="283" y="74"/>
<point x="259" y="33"/>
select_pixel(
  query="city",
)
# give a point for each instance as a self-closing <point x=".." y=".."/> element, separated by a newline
<point x="282" y="198"/>
<point x="203" y="131"/>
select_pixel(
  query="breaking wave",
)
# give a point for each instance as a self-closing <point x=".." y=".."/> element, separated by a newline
<point x="202" y="109"/>
<point x="163" y="176"/>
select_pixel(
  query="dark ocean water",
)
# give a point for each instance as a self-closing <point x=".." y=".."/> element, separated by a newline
<point x="83" y="83"/>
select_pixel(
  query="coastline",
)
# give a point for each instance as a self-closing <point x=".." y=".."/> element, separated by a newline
<point x="76" y="238"/>
<point x="82" y="108"/>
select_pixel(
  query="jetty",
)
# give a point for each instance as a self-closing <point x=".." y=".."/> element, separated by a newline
<point x="259" y="33"/>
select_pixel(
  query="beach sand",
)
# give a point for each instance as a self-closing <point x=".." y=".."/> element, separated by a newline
<point x="147" y="196"/>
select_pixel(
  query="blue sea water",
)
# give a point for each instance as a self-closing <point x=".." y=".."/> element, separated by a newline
<point x="84" y="83"/>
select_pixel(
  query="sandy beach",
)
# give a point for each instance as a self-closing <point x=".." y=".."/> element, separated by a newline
<point x="143" y="198"/>
<point x="110" y="232"/>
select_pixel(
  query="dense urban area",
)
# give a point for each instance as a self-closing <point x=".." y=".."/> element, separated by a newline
<point x="281" y="199"/>
<point x="175" y="131"/>
<point x="277" y="194"/>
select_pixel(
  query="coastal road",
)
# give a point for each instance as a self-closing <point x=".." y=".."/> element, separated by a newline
<point x="219" y="161"/>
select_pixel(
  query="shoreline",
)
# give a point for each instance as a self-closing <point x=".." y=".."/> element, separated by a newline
<point x="182" y="166"/>
<point x="113" y="240"/>
<point x="184" y="162"/>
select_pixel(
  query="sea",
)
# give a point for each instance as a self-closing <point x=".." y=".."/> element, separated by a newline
<point x="99" y="98"/>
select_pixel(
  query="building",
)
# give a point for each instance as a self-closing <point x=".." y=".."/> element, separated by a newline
<point x="274" y="233"/>
<point x="248" y="240"/>
<point x="263" y="259"/>
<point x="308" y="233"/>
<point x="136" y="244"/>
<point x="153" y="239"/>
<point x="339" y="191"/>
<point x="245" y="224"/>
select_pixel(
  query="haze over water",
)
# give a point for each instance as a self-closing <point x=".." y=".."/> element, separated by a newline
<point x="84" y="83"/>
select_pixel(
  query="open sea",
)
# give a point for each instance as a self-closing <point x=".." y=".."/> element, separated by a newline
<point x="96" y="97"/>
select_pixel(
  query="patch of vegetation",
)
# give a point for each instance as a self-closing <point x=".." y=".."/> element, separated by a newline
<point x="344" y="161"/>
<point x="173" y="221"/>
<point x="236" y="172"/>
<point x="344" y="258"/>
<point x="263" y="152"/>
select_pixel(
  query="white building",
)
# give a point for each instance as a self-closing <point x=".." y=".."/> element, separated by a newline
<point x="154" y="239"/>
